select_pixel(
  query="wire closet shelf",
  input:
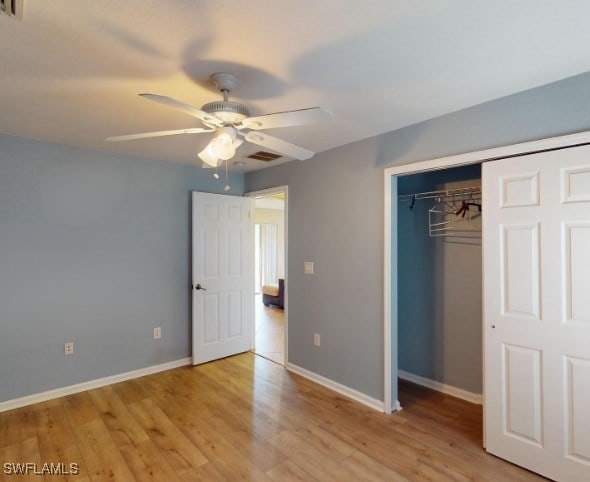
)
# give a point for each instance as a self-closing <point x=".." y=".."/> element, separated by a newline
<point x="455" y="213"/>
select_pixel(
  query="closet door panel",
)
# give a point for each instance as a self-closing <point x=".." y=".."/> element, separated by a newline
<point x="576" y="266"/>
<point x="520" y="190"/>
<point x="536" y="240"/>
<point x="576" y="184"/>
<point x="578" y="409"/>
<point x="522" y="391"/>
<point x="520" y="271"/>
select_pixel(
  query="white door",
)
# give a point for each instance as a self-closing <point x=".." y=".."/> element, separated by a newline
<point x="223" y="276"/>
<point x="536" y="224"/>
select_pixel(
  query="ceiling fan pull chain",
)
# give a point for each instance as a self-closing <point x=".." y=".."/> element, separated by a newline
<point x="226" y="187"/>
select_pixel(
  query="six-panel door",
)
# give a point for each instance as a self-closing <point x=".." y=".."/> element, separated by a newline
<point x="536" y="232"/>
<point x="223" y="276"/>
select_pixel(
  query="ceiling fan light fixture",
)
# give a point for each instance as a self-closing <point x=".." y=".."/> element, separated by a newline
<point x="209" y="156"/>
<point x="223" y="144"/>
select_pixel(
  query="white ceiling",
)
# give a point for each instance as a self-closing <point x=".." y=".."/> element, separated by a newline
<point x="70" y="70"/>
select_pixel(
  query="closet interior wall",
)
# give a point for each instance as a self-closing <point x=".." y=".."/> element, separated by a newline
<point x="440" y="288"/>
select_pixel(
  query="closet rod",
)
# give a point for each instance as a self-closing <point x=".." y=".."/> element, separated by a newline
<point x="463" y="191"/>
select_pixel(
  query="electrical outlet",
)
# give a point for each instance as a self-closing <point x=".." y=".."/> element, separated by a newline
<point x="157" y="333"/>
<point x="69" y="348"/>
<point x="316" y="339"/>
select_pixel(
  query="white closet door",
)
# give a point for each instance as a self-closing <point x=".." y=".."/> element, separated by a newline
<point x="536" y="225"/>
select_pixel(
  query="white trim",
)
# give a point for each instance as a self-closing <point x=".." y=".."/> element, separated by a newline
<point x="337" y="387"/>
<point x="387" y="373"/>
<point x="89" y="385"/>
<point x="265" y="192"/>
<point x="491" y="154"/>
<point x="442" y="387"/>
<point x="442" y="163"/>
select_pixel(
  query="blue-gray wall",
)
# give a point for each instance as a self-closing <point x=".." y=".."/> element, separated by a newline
<point x="439" y="288"/>
<point x="94" y="248"/>
<point x="336" y="220"/>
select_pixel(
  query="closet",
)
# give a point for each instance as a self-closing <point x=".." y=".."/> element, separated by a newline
<point x="440" y="280"/>
<point x="535" y="237"/>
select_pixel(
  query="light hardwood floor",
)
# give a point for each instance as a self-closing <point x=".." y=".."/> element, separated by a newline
<point x="270" y="332"/>
<point x="246" y="418"/>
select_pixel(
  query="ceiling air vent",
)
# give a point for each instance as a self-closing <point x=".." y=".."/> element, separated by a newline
<point x="12" y="8"/>
<point x="264" y="156"/>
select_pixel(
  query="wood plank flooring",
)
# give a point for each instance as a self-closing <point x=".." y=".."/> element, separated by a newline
<point x="246" y="418"/>
<point x="270" y="332"/>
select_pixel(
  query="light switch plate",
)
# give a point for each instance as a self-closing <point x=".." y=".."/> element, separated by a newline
<point x="308" y="267"/>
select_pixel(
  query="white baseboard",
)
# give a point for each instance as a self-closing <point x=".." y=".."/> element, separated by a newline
<point x="337" y="387"/>
<point x="99" y="382"/>
<point x="442" y="387"/>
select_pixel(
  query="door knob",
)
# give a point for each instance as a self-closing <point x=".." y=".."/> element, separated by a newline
<point x="199" y="287"/>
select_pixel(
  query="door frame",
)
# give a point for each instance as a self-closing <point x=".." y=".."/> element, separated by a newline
<point x="262" y="193"/>
<point x="390" y="321"/>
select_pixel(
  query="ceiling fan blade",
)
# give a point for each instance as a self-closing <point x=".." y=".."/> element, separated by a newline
<point x="144" y="135"/>
<point x="278" y="145"/>
<point x="186" y="108"/>
<point x="288" y="119"/>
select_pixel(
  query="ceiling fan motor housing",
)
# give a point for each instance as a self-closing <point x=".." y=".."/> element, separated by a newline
<point x="228" y="112"/>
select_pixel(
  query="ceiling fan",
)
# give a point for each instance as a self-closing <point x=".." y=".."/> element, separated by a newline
<point x="232" y="125"/>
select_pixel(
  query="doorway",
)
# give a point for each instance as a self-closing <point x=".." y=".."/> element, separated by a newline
<point x="270" y="255"/>
<point x="439" y="217"/>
